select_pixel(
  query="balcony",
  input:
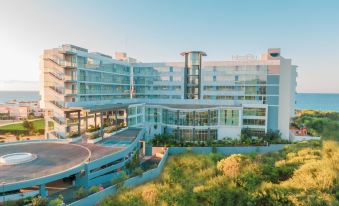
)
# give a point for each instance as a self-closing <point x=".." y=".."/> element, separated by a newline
<point x="58" y="104"/>
<point x="71" y="92"/>
<point x="57" y="90"/>
<point x="58" y="120"/>
<point x="56" y="75"/>
<point x="69" y="78"/>
<point x="62" y="62"/>
<point x="67" y="51"/>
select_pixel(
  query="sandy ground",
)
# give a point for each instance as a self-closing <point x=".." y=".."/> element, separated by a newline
<point x="12" y="138"/>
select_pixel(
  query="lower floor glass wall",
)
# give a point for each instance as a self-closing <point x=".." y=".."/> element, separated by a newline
<point x="195" y="134"/>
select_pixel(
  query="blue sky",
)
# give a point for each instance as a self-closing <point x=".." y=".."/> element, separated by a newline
<point x="152" y="30"/>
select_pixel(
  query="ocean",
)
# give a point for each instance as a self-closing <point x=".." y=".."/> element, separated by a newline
<point x="19" y="96"/>
<point x="316" y="101"/>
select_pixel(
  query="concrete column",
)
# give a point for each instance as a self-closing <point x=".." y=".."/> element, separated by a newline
<point x="82" y="179"/>
<point x="209" y="118"/>
<point x="95" y="120"/>
<point x="126" y="117"/>
<point x="101" y="124"/>
<point x="116" y="119"/>
<point x="79" y="122"/>
<point x="86" y="120"/>
<point x="42" y="190"/>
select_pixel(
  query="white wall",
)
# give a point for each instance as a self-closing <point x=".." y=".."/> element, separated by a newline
<point x="286" y="96"/>
<point x="231" y="132"/>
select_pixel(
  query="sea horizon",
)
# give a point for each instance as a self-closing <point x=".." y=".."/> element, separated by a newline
<point x="304" y="100"/>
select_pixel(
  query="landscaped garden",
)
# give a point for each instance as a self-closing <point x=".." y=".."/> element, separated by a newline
<point x="305" y="173"/>
<point x="247" y="138"/>
<point x="318" y="123"/>
<point x="24" y="128"/>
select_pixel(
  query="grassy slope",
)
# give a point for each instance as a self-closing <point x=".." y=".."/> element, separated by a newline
<point x="39" y="124"/>
<point x="302" y="174"/>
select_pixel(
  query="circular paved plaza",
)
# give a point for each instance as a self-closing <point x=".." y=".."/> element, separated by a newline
<point x="51" y="158"/>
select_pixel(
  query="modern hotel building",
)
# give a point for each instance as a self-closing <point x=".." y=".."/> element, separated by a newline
<point x="193" y="99"/>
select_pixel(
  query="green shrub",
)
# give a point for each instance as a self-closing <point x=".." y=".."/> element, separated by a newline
<point x="57" y="202"/>
<point x="39" y="201"/>
<point x="137" y="172"/>
<point x="81" y="193"/>
<point x="94" y="189"/>
<point x="119" y="181"/>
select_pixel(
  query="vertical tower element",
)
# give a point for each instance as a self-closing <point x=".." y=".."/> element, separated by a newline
<point x="192" y="79"/>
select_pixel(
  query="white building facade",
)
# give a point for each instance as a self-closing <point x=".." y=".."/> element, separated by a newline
<point x="195" y="100"/>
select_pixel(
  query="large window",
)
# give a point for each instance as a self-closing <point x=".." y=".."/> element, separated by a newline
<point x="254" y="111"/>
<point x="254" y="122"/>
<point x="229" y="117"/>
<point x="169" y="117"/>
<point x="201" y="118"/>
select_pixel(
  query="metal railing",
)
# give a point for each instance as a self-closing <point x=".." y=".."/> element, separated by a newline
<point x="57" y="90"/>
<point x="61" y="62"/>
<point x="58" y="120"/>
<point x="58" y="104"/>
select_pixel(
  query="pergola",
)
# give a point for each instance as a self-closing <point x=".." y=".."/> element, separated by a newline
<point x="107" y="111"/>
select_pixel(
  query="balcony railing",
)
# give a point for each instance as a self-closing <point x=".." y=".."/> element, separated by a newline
<point x="58" y="104"/>
<point x="57" y="135"/>
<point x="57" y="90"/>
<point x="57" y="75"/>
<point x="70" y="78"/>
<point x="62" y="62"/>
<point x="71" y="92"/>
<point x="58" y="120"/>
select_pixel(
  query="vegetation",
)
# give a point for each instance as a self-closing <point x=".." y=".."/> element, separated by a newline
<point x="318" y="123"/>
<point x="305" y="173"/>
<point x="92" y="128"/>
<point x="94" y="135"/>
<point x="73" y="134"/>
<point x="119" y="181"/>
<point x="39" y="201"/>
<point x="246" y="138"/>
<point x="59" y="201"/>
<point x="81" y="193"/>
<point x="109" y="130"/>
<point x="24" y="128"/>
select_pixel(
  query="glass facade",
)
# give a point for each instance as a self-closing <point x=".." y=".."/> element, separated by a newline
<point x="254" y="112"/>
<point x="229" y="117"/>
<point x="196" y="135"/>
<point x="244" y="82"/>
<point x="192" y="74"/>
<point x="163" y="82"/>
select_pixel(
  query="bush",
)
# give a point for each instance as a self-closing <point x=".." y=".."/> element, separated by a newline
<point x="137" y="172"/>
<point x="92" y="128"/>
<point x="109" y="130"/>
<point x="94" y="189"/>
<point x="81" y="193"/>
<point x="93" y="135"/>
<point x="119" y="181"/>
<point x="39" y="201"/>
<point x="230" y="166"/>
<point x="57" y="202"/>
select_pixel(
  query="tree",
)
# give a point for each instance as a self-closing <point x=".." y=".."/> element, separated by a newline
<point x="29" y="126"/>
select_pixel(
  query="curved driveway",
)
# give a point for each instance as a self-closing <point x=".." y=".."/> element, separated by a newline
<point x="52" y="158"/>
